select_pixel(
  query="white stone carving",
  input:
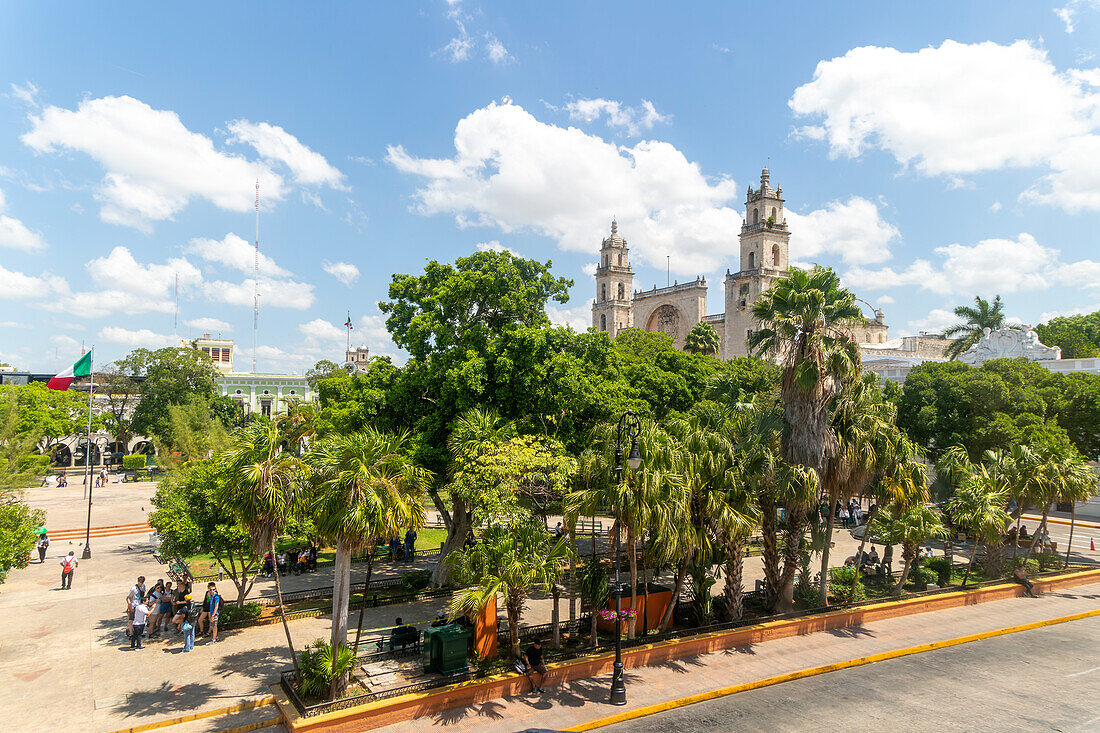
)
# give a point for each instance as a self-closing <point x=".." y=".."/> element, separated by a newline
<point x="1009" y="343"/>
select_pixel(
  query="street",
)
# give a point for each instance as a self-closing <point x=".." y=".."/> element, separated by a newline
<point x="1044" y="679"/>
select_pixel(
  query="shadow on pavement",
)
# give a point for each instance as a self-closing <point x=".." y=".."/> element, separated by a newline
<point x="490" y="710"/>
<point x="743" y="649"/>
<point x="257" y="664"/>
<point x="677" y="665"/>
<point x="167" y="698"/>
<point x="851" y="632"/>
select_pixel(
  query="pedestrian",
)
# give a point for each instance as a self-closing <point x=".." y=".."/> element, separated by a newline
<point x="165" y="609"/>
<point x="395" y="548"/>
<point x="183" y="606"/>
<point x="135" y="596"/>
<point x="152" y="600"/>
<point x="268" y="568"/>
<point x="410" y="545"/>
<point x="204" y="611"/>
<point x="888" y="560"/>
<point x="312" y="559"/>
<point x="280" y="562"/>
<point x="103" y="477"/>
<point x="42" y="544"/>
<point x="1019" y="575"/>
<point x="213" y="608"/>
<point x="292" y="559"/>
<point x="187" y="628"/>
<point x="844" y="517"/>
<point x="558" y="531"/>
<point x="68" y="567"/>
<point x="535" y="665"/>
<point x="141" y="612"/>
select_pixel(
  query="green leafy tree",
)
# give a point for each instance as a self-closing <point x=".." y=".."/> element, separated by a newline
<point x="978" y="499"/>
<point x="1077" y="336"/>
<point x="907" y="526"/>
<point x="193" y="431"/>
<point x="189" y="518"/>
<point x="509" y="560"/>
<point x="803" y="319"/>
<point x="702" y="339"/>
<point x="18" y="470"/>
<point x="969" y="331"/>
<point x="369" y="490"/>
<point x="173" y="376"/>
<point x="263" y="487"/>
<point x="320" y="370"/>
<point x="44" y="415"/>
<point x="120" y="393"/>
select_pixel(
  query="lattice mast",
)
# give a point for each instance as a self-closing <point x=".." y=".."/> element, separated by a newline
<point x="256" y="282"/>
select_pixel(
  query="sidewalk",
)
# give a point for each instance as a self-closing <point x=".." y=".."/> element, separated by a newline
<point x="586" y="700"/>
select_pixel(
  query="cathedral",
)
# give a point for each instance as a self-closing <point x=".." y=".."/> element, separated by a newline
<point x="675" y="309"/>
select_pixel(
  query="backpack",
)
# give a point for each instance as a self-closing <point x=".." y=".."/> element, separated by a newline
<point x="68" y="564"/>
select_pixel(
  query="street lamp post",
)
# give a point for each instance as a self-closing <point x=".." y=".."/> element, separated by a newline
<point x="633" y="426"/>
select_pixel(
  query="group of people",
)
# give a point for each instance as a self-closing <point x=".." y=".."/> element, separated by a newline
<point x="405" y="551"/>
<point x="850" y="514"/>
<point x="296" y="560"/>
<point x="162" y="608"/>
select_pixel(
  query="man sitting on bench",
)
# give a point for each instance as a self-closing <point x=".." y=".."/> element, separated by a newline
<point x="402" y="635"/>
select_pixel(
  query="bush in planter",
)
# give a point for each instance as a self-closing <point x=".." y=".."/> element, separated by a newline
<point x="316" y="665"/>
<point x="232" y="613"/>
<point x="840" y="584"/>
<point x="134" y="462"/>
<point x="415" y="581"/>
<point x="1048" y="560"/>
<point x="941" y="567"/>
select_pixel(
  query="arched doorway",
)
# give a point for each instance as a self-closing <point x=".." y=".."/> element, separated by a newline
<point x="666" y="318"/>
<point x="61" y="456"/>
<point x="145" y="447"/>
<point x="82" y="450"/>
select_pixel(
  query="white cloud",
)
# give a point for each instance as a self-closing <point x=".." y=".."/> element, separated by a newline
<point x="515" y="173"/>
<point x="496" y="51"/>
<point x="922" y="109"/>
<point x="14" y="324"/>
<point x="852" y="230"/>
<point x="154" y="165"/>
<point x="345" y="272"/>
<point x="1068" y="13"/>
<point x="276" y="360"/>
<point x="1083" y="310"/>
<point x="14" y="234"/>
<point x="494" y="245"/>
<point x="632" y="120"/>
<point x="2" y="201"/>
<point x="141" y="337"/>
<point x="27" y="94"/>
<point x="995" y="207"/>
<point x="884" y="300"/>
<point x="589" y="268"/>
<point x="578" y="316"/>
<point x="992" y="266"/>
<point x="276" y="144"/>
<point x="120" y="271"/>
<point x="209" y="325"/>
<point x="937" y="320"/>
<point x="321" y="330"/>
<point x="18" y="286"/>
<point x="233" y="251"/>
<point x="273" y="293"/>
<point x="459" y="47"/>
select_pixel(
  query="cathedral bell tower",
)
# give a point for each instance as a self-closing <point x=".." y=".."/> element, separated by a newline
<point x="764" y="251"/>
<point x="611" y="311"/>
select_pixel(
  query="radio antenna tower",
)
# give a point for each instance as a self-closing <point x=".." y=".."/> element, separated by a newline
<point x="256" y="282"/>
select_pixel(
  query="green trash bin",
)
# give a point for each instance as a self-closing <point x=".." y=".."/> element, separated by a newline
<point x="445" y="649"/>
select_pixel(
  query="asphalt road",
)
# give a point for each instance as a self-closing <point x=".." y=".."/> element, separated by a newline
<point x="1047" y="679"/>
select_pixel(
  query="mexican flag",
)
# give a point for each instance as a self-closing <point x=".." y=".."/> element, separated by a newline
<point x="82" y="368"/>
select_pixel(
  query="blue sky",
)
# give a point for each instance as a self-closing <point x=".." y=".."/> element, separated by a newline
<point x="929" y="152"/>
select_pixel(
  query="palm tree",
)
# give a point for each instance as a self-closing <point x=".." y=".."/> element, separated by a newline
<point x="979" y="498"/>
<point x="702" y="339"/>
<point x="299" y="424"/>
<point x="1060" y="474"/>
<point x="370" y="489"/>
<point x="908" y="527"/>
<point x="509" y="560"/>
<point x="474" y="433"/>
<point x="860" y="425"/>
<point x="803" y="319"/>
<point x="262" y="487"/>
<point x="978" y="318"/>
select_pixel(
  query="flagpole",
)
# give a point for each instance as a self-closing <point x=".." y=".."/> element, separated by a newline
<point x="88" y="458"/>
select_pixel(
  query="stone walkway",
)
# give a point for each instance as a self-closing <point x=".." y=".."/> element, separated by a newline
<point x="584" y="700"/>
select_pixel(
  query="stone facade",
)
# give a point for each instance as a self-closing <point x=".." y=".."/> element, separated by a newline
<point x="357" y="359"/>
<point x="764" y="257"/>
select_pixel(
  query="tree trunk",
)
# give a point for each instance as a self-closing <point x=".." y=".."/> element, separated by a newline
<point x="666" y="620"/>
<point x="770" y="531"/>
<point x="969" y="565"/>
<point x="1016" y="544"/>
<point x="366" y="587"/>
<point x="573" y="579"/>
<point x="513" y="607"/>
<point x="594" y="629"/>
<point x="862" y="544"/>
<point x="282" y="613"/>
<point x="555" y="618"/>
<point x="633" y="557"/>
<point x="1040" y="534"/>
<point x="824" y="580"/>
<point x="1072" y="521"/>
<point x="341" y="601"/>
<point x="733" y="591"/>
<point x="457" y="531"/>
<point x="645" y="594"/>
<point x="792" y="547"/>
<point x="908" y="552"/>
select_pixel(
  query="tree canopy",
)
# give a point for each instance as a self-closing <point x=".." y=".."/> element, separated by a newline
<point x="1077" y="336"/>
<point x="173" y="376"/>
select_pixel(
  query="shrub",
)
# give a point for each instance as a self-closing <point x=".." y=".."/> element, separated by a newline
<point x="316" y="665"/>
<point x="941" y="567"/>
<point x="840" y="584"/>
<point x="1032" y="564"/>
<point x="232" y="612"/>
<point x="1048" y="560"/>
<point x="807" y="596"/>
<point x="416" y="580"/>
<point x="134" y="462"/>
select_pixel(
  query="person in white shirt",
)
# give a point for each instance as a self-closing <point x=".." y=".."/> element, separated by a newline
<point x="68" y="569"/>
<point x="135" y="596"/>
<point x="138" y="628"/>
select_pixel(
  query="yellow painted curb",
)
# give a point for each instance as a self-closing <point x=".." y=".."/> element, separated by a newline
<point x="254" y="726"/>
<point x="246" y="705"/>
<point x="1081" y="524"/>
<point x="814" y="671"/>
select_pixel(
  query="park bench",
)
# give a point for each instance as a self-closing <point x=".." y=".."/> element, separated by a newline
<point x="402" y="636"/>
<point x="588" y="526"/>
